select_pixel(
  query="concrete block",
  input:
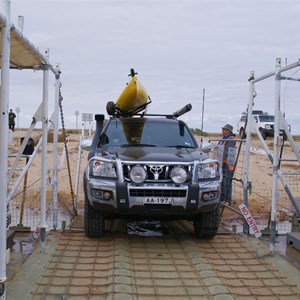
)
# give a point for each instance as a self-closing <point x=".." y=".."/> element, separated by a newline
<point x="293" y="239"/>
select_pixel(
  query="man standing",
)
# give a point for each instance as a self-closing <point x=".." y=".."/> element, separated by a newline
<point x="11" y="120"/>
<point x="228" y="142"/>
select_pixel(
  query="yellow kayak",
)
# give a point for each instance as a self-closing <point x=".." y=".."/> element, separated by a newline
<point x="133" y="97"/>
<point x="132" y="100"/>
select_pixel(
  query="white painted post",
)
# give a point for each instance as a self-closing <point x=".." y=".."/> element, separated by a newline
<point x="18" y="113"/>
<point x="275" y="156"/>
<point x="76" y="114"/>
<point x="21" y="23"/>
<point x="55" y="152"/>
<point x="44" y="170"/>
<point x="248" y="143"/>
<point x="4" y="104"/>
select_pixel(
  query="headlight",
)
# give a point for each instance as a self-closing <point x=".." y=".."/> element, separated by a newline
<point x="103" y="169"/>
<point x="138" y="174"/>
<point x="178" y="175"/>
<point x="208" y="170"/>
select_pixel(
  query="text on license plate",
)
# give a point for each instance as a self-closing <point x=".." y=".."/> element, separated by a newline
<point x="158" y="200"/>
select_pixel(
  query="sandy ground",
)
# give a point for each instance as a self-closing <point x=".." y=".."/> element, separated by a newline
<point x="260" y="174"/>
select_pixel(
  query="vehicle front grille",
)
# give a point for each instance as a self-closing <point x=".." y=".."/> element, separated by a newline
<point x="157" y="173"/>
<point x="157" y="193"/>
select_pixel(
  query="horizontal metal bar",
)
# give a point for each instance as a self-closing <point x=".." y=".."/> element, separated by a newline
<point x="15" y="155"/>
<point x="289" y="78"/>
<point x="290" y="173"/>
<point x="291" y="66"/>
<point x="288" y="159"/>
<point x="281" y="70"/>
<point x="262" y="77"/>
<point x="234" y="140"/>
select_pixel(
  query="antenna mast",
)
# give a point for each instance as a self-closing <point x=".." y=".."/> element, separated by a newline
<point x="202" y="110"/>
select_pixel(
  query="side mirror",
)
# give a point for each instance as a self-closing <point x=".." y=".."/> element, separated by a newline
<point x="86" y="144"/>
<point x="206" y="147"/>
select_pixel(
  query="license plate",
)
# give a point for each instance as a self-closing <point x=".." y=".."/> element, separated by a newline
<point x="158" y="200"/>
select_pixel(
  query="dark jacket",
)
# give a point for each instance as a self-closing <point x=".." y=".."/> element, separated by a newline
<point x="11" y="118"/>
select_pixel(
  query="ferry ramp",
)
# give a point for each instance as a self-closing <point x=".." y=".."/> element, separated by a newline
<point x="173" y="265"/>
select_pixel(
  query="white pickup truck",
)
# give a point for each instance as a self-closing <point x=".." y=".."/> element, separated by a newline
<point x="264" y="121"/>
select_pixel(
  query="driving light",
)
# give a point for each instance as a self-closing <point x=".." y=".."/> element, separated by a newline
<point x="103" y="169"/>
<point x="178" y="175"/>
<point x="102" y="194"/>
<point x="208" y="170"/>
<point x="138" y="174"/>
<point x="207" y="196"/>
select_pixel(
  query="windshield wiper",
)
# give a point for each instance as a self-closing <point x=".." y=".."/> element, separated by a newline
<point x="180" y="146"/>
<point x="138" y="145"/>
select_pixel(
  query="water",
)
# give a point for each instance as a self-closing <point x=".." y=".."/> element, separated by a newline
<point x="23" y="245"/>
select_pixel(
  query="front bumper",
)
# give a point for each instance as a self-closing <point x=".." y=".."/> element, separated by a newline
<point x="269" y="132"/>
<point x="127" y="199"/>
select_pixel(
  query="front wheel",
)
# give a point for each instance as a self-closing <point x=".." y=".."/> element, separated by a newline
<point x="94" y="222"/>
<point x="263" y="133"/>
<point x="206" y="224"/>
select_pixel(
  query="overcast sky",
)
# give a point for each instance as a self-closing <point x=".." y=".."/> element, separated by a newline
<point x="177" y="47"/>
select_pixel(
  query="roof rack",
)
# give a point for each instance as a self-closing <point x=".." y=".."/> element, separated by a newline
<point x="113" y="110"/>
<point x="174" y="115"/>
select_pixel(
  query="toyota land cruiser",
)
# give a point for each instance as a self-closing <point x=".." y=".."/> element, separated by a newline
<point x="150" y="166"/>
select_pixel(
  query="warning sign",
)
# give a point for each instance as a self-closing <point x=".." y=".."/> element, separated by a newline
<point x="247" y="215"/>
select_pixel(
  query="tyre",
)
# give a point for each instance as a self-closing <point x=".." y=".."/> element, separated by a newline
<point x="110" y="108"/>
<point x="263" y="133"/>
<point x="94" y="222"/>
<point x="206" y="224"/>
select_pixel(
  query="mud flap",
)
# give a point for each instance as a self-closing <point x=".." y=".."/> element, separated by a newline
<point x="193" y="198"/>
<point x="122" y="195"/>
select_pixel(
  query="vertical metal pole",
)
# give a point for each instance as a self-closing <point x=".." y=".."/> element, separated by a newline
<point x="44" y="147"/>
<point x="4" y="103"/>
<point x="55" y="152"/>
<point x="76" y="114"/>
<point x="82" y="127"/>
<point x="247" y="150"/>
<point x="78" y="172"/>
<point x="275" y="156"/>
<point x="18" y="113"/>
<point x="202" y="110"/>
<point x="20" y="23"/>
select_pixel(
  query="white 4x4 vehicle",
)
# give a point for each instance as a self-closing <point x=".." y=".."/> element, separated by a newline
<point x="263" y="121"/>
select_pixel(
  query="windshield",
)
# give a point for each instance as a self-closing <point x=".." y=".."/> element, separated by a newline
<point x="147" y="132"/>
<point x="266" y="118"/>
